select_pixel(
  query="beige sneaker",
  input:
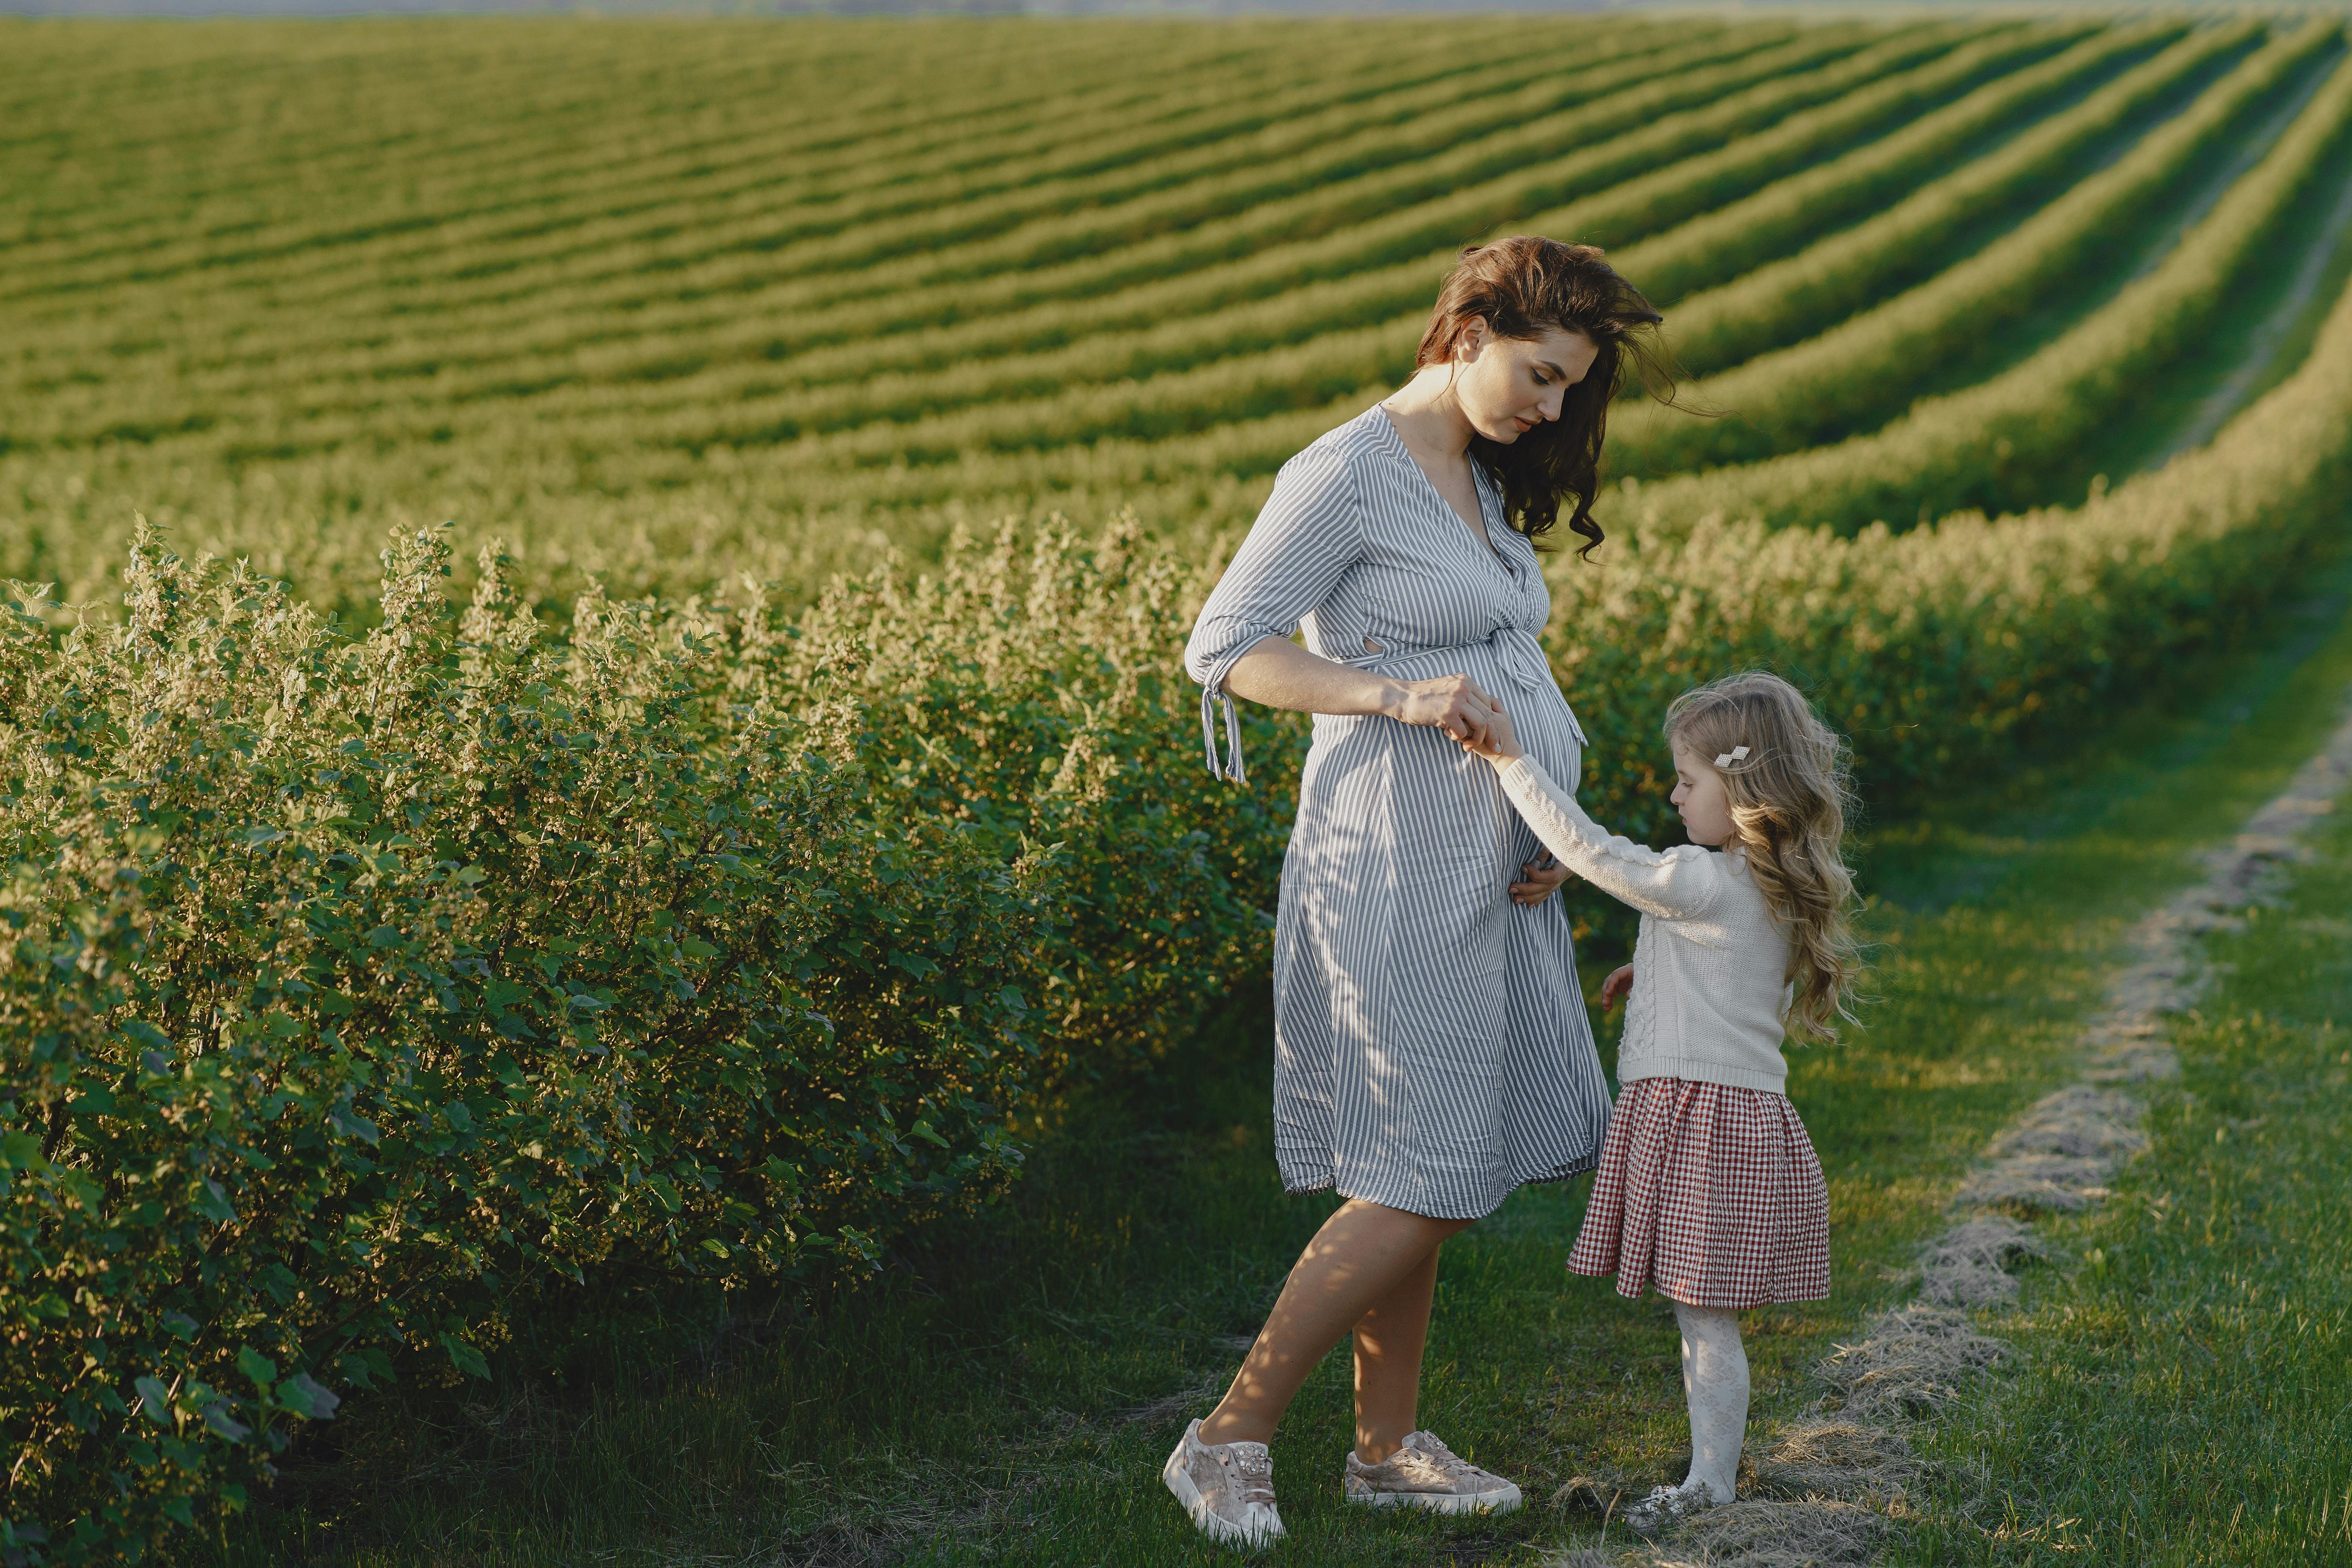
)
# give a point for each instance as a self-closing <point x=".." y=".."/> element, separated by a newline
<point x="1425" y="1473"/>
<point x="1227" y="1488"/>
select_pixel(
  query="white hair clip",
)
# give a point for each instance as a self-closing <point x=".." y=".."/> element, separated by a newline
<point x="1737" y="754"/>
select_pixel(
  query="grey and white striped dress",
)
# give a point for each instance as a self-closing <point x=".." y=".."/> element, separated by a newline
<point x="1431" y="1048"/>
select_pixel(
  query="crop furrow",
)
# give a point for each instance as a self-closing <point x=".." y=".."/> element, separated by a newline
<point x="626" y="283"/>
<point x="1648" y="201"/>
<point x="2007" y="443"/>
<point x="1378" y="169"/>
<point x="1796" y="214"/>
<point x="1355" y="224"/>
<point x="1824" y="388"/>
<point x="771" y="165"/>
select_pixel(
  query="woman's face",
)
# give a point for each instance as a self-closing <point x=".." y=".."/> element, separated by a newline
<point x="1507" y="386"/>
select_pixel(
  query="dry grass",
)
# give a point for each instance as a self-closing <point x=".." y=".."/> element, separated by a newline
<point x="1910" y="1364"/>
<point x="1967" y="1265"/>
<point x="2059" y="1155"/>
<point x="1815" y="1534"/>
<point x="1821" y="1457"/>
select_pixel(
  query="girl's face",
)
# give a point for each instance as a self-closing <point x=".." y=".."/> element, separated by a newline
<point x="1507" y="386"/>
<point x="1700" y="796"/>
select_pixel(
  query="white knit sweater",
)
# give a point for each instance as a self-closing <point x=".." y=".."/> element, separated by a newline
<point x="1710" y="984"/>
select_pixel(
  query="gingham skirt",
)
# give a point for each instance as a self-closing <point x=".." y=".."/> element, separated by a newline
<point x="1711" y="1193"/>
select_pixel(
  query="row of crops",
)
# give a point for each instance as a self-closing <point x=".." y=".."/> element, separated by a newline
<point x="726" y="330"/>
<point x="617" y="907"/>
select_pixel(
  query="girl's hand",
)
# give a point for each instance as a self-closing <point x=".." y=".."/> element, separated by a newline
<point x="1613" y="989"/>
<point x="1542" y="879"/>
<point x="1498" y="745"/>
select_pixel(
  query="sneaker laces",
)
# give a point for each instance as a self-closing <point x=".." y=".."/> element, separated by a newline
<point x="1252" y="1473"/>
<point x="1430" y="1454"/>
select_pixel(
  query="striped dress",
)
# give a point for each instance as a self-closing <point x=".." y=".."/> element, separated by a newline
<point x="1431" y="1048"/>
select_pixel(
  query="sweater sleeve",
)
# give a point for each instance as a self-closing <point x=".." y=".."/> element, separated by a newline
<point x="1681" y="883"/>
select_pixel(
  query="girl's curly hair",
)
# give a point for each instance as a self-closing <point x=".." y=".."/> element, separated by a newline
<point x="1790" y="796"/>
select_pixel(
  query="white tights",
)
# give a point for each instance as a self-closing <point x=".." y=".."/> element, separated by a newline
<point x="1714" y="1378"/>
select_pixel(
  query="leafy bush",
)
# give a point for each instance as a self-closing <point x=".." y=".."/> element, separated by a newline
<point x="1039" y="697"/>
<point x="353" y="992"/>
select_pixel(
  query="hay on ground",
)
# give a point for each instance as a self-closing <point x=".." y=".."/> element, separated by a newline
<point x="1785" y="1534"/>
<point x="1969" y="1264"/>
<point x="1579" y="1557"/>
<point x="1831" y="1457"/>
<point x="1909" y="1362"/>
<point x="2077" y="1122"/>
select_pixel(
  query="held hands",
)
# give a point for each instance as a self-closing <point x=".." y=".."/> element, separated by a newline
<point x="1453" y="703"/>
<point x="1613" y="989"/>
<point x="1457" y="705"/>
<point x="1498" y="744"/>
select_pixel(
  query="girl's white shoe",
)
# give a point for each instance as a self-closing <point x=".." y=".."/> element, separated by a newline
<point x="1227" y="1488"/>
<point x="1666" y="1507"/>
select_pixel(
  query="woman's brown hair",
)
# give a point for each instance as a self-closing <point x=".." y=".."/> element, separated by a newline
<point x="1520" y="287"/>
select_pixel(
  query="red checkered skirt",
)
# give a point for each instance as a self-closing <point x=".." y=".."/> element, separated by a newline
<point x="1711" y="1193"/>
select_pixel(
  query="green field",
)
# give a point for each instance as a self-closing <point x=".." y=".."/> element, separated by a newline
<point x="442" y="950"/>
<point x="668" y="299"/>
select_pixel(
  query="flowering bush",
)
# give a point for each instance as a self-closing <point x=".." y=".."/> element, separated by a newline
<point x="352" y="992"/>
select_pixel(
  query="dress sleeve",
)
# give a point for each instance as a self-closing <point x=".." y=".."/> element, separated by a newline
<point x="1304" y="539"/>
<point x="1681" y="883"/>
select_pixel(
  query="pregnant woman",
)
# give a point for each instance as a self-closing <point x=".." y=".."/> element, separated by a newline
<point x="1432" y="1050"/>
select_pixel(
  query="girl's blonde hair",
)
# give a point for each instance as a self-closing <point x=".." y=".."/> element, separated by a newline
<point x="1788" y="792"/>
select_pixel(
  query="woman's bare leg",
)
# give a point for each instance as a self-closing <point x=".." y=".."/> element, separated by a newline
<point x="1389" y="1339"/>
<point x="1362" y="1254"/>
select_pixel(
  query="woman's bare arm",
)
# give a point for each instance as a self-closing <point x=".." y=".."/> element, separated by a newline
<point x="1278" y="673"/>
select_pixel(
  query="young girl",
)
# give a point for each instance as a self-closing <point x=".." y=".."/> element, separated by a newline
<point x="1707" y="1186"/>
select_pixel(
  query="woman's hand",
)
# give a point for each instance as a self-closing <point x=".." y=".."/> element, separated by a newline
<point x="1453" y="703"/>
<point x="1613" y="989"/>
<point x="1540" y="880"/>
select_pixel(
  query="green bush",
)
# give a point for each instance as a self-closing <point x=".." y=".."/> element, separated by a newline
<point x="1038" y="696"/>
<point x="351" y="992"/>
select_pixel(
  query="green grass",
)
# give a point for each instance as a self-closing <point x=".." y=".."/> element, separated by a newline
<point x="2186" y="1393"/>
<point x="1005" y="1391"/>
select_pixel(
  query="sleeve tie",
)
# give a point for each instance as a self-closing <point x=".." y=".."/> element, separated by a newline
<point x="1231" y="767"/>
